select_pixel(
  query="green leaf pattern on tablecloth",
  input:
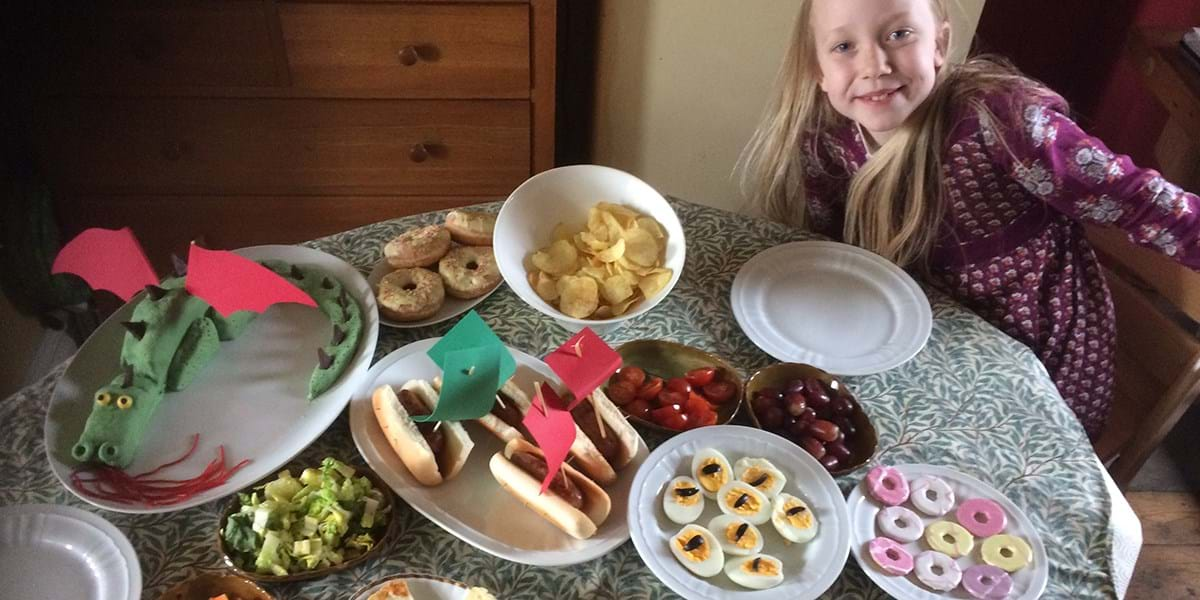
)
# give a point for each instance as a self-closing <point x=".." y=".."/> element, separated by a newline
<point x="973" y="400"/>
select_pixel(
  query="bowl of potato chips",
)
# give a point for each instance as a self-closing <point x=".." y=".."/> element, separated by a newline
<point x="589" y="246"/>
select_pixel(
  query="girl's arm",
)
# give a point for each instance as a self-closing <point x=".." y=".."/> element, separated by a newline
<point x="1053" y="158"/>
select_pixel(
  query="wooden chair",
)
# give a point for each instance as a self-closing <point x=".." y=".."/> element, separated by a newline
<point x="1158" y="354"/>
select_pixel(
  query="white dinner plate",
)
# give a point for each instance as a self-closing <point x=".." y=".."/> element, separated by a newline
<point x="422" y="587"/>
<point x="451" y="308"/>
<point x="49" y="551"/>
<point x="252" y="397"/>
<point x="1028" y="583"/>
<point x="472" y="506"/>
<point x="808" y="569"/>
<point x="834" y="306"/>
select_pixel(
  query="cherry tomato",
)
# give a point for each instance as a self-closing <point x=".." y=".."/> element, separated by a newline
<point x="672" y="397"/>
<point x="709" y="418"/>
<point x="621" y="392"/>
<point x="650" y="390"/>
<point x="670" y="417"/>
<point x="638" y="408"/>
<point x="679" y="384"/>
<point x="719" y="392"/>
<point x="702" y="376"/>
<point x="697" y="404"/>
<point x="633" y="374"/>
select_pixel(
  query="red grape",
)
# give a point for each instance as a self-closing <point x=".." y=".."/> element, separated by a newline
<point x="823" y="430"/>
<point x="839" y="450"/>
<point x="830" y="462"/>
<point x="795" y="404"/>
<point x="813" y="446"/>
<point x="770" y="392"/>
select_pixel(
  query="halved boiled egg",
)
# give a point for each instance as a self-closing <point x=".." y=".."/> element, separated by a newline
<point x="736" y="535"/>
<point x="697" y="549"/>
<point x="757" y="572"/>
<point x="793" y="519"/>
<point x="711" y="469"/>
<point x="760" y="473"/>
<point x="682" y="500"/>
<point x="741" y="499"/>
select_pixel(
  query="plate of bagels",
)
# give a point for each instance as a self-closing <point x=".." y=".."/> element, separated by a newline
<point x="480" y="480"/>
<point x="433" y="273"/>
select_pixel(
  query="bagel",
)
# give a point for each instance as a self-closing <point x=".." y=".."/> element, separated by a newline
<point x="580" y="523"/>
<point x="469" y="271"/>
<point x="420" y="247"/>
<point x="470" y="227"/>
<point x="429" y="464"/>
<point x="410" y="294"/>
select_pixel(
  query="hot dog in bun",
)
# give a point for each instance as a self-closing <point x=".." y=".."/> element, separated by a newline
<point x="432" y="453"/>
<point x="573" y="502"/>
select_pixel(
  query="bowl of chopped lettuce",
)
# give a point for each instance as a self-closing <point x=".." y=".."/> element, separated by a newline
<point x="292" y="528"/>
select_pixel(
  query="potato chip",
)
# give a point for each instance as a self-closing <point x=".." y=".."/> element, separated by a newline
<point x="545" y="286"/>
<point x="616" y="289"/>
<point x="579" y="297"/>
<point x="653" y="284"/>
<point x="641" y="247"/>
<point x="558" y="260"/>
<point x="603" y="269"/>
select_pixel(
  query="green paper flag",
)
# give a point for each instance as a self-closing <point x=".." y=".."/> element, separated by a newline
<point x="468" y="385"/>
<point x="472" y="332"/>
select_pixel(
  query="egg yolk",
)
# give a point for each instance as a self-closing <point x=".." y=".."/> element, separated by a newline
<point x="685" y="500"/>
<point x="801" y="518"/>
<point x="748" y="538"/>
<point x="758" y="478"/>
<point x="749" y="506"/>
<point x="765" y="567"/>
<point x="712" y="481"/>
<point x="698" y="554"/>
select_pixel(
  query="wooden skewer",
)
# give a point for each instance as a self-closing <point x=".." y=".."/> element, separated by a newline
<point x="436" y="427"/>
<point x="471" y="370"/>
<point x="500" y="402"/>
<point x="537" y="395"/>
<point x="599" y="423"/>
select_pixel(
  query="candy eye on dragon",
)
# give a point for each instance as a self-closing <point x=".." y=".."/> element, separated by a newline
<point x="103" y="398"/>
<point x="125" y="402"/>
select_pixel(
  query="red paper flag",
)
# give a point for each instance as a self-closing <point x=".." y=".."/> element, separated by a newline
<point x="553" y="431"/>
<point x="231" y="283"/>
<point x="583" y="363"/>
<point x="107" y="259"/>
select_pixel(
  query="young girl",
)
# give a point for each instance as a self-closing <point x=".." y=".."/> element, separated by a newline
<point x="971" y="174"/>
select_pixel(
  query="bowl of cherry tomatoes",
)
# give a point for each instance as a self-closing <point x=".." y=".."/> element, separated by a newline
<point x="671" y="387"/>
<point x="814" y="410"/>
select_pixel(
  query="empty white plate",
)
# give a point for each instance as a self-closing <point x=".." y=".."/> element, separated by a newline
<point x="49" y="551"/>
<point x="831" y="305"/>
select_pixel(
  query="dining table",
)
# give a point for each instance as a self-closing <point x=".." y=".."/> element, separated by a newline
<point x="972" y="399"/>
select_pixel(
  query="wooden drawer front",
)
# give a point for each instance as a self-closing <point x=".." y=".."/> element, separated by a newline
<point x="409" y="50"/>
<point x="287" y="146"/>
<point x="163" y="45"/>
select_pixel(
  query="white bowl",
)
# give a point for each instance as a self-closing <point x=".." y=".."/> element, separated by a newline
<point x="564" y="195"/>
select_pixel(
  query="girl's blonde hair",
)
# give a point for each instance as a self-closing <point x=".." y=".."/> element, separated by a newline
<point x="895" y="202"/>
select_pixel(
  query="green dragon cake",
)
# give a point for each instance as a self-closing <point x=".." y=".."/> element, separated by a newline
<point x="173" y="335"/>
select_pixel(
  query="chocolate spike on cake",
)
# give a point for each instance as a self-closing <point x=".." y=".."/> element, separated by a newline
<point x="155" y="292"/>
<point x="323" y="359"/>
<point x="339" y="335"/>
<point x="137" y="328"/>
<point x="297" y="273"/>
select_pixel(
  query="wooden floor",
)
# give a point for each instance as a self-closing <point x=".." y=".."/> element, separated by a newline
<point x="1168" y="568"/>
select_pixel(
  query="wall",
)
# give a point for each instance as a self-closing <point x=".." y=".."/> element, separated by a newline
<point x="680" y="85"/>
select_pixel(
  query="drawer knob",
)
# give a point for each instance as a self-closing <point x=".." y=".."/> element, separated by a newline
<point x="409" y="56"/>
<point x="418" y="153"/>
<point x="173" y="151"/>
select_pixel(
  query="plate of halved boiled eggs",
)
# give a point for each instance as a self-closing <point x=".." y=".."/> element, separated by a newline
<point x="731" y="512"/>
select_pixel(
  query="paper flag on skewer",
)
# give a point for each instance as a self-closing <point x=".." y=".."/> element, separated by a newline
<point x="468" y="385"/>
<point x="583" y="363"/>
<point x="472" y="332"/>
<point x="107" y="259"/>
<point x="553" y="431"/>
<point x="231" y="283"/>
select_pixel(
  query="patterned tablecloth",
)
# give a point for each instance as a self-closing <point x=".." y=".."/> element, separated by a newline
<point x="973" y="399"/>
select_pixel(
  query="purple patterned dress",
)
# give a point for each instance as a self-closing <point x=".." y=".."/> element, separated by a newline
<point x="1011" y="247"/>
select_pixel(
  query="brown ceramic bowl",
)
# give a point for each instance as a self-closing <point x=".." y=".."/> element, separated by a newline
<point x="660" y="358"/>
<point x="385" y="533"/>
<point x="209" y="585"/>
<point x="862" y="444"/>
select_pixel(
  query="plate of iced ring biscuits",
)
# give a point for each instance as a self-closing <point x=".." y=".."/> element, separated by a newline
<point x="929" y="532"/>
<point x="437" y="272"/>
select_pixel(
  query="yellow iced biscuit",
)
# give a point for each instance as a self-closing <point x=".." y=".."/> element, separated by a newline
<point x="949" y="538"/>
<point x="1008" y="552"/>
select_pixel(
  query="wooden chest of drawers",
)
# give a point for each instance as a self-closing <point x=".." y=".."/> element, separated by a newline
<point x="243" y="122"/>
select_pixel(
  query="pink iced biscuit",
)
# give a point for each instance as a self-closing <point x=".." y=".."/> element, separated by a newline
<point x="891" y="557"/>
<point x="887" y="485"/>
<point x="987" y="582"/>
<point x="982" y="517"/>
